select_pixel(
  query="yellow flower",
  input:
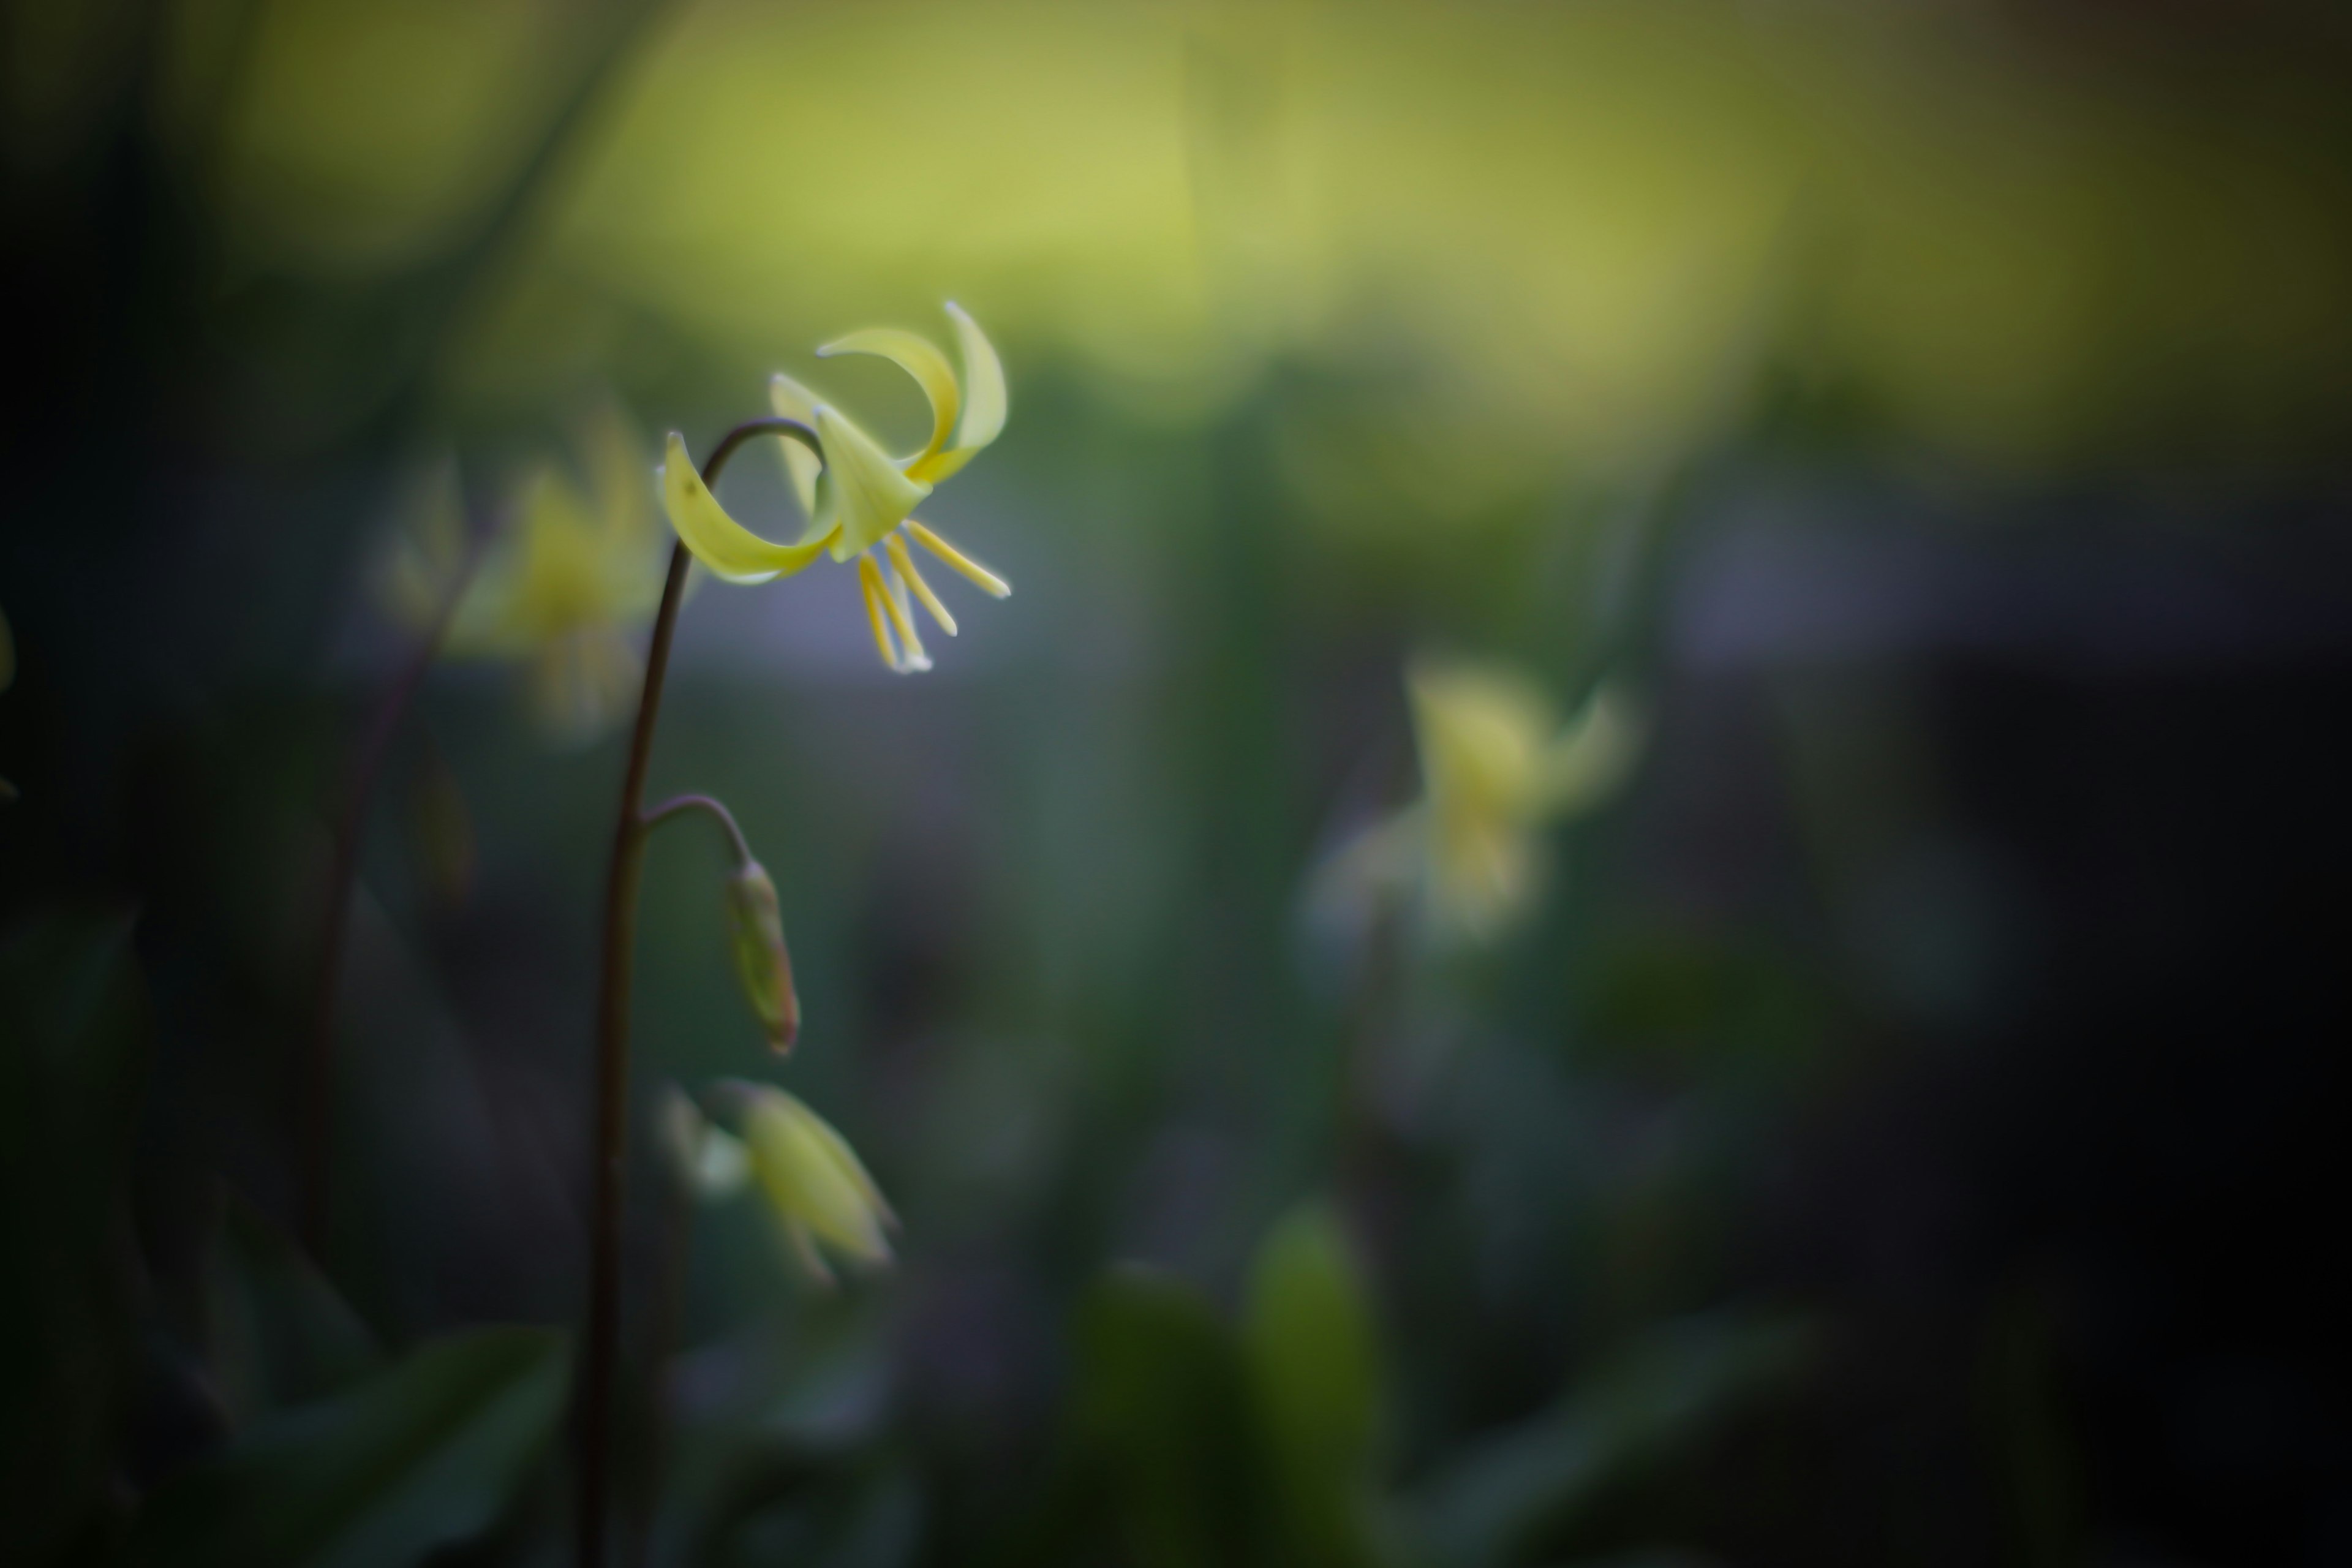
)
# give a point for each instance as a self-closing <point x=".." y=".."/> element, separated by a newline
<point x="704" y="1158"/>
<point x="813" y="1181"/>
<point x="859" y="500"/>
<point x="1496" y="764"/>
<point x="572" y="575"/>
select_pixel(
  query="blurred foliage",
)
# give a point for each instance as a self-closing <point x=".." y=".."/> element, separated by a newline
<point x="422" y="1454"/>
<point x="76" y="1032"/>
<point x="2019" y="257"/>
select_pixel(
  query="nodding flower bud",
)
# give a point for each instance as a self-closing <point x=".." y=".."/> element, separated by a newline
<point x="756" y="928"/>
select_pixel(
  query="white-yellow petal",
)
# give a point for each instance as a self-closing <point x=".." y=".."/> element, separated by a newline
<point x="1480" y="729"/>
<point x="985" y="402"/>
<point x="794" y="401"/>
<point x="812" y="1179"/>
<point x="862" y="494"/>
<point x="985" y="405"/>
<point x="1593" y="753"/>
<point x="732" y="552"/>
<point x="918" y="359"/>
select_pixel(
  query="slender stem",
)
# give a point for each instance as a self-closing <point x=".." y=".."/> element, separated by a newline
<point x="601" y="1353"/>
<point x="669" y="1315"/>
<point x="679" y="805"/>
<point x="791" y="429"/>
<point x="318" y="1093"/>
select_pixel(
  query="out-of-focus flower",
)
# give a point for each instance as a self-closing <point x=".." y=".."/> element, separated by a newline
<point x="1496" y="766"/>
<point x="860" y="500"/>
<point x="564" y="586"/>
<point x="813" y="1181"/>
<point x="755" y="928"/>
<point x="705" y="1158"/>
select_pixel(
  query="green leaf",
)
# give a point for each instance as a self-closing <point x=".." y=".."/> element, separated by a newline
<point x="1315" y="1363"/>
<point x="421" y="1454"/>
<point x="281" y="1334"/>
<point x="1523" y="1487"/>
<point x="1163" y="1425"/>
<point x="73" y="1041"/>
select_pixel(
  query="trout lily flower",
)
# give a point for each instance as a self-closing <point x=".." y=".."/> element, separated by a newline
<point x="1497" y="766"/>
<point x="704" y="1158"/>
<point x="812" y="1180"/>
<point x="858" y="499"/>
<point x="562" y="589"/>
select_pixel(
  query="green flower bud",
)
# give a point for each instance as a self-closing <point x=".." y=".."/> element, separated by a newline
<point x="756" y="928"/>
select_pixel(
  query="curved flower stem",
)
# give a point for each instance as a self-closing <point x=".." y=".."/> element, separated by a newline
<point x="679" y="805"/>
<point x="601" y="1353"/>
<point x="318" y="1091"/>
<point x="661" y="1349"/>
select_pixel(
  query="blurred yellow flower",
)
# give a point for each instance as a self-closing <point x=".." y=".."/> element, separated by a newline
<point x="566" y="583"/>
<point x="813" y="1180"/>
<point x="858" y="498"/>
<point x="1496" y="764"/>
<point x="704" y="1158"/>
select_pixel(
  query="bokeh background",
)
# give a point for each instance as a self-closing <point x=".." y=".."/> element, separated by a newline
<point x="1902" y="1129"/>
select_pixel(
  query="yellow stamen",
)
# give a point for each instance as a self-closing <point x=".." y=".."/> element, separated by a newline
<point x="869" y="579"/>
<point x="904" y="560"/>
<point x="989" y="582"/>
<point x="902" y="615"/>
<point x="895" y="608"/>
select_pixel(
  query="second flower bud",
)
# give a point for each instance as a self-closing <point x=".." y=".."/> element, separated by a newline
<point x="762" y="964"/>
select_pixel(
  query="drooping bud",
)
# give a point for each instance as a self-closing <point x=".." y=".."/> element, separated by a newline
<point x="764" y="965"/>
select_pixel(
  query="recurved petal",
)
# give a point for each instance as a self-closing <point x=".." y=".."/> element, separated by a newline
<point x="732" y="552"/>
<point x="1480" y="729"/>
<point x="1594" y="753"/>
<point x="706" y="1159"/>
<point x="873" y="1212"/>
<point x="792" y="401"/>
<point x="983" y="404"/>
<point x="812" y="1179"/>
<point x="1483" y="873"/>
<point x="918" y="359"/>
<point x="862" y="494"/>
